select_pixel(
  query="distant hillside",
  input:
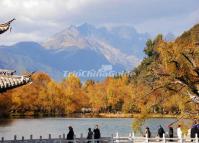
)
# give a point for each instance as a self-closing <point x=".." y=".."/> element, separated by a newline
<point x="30" y="56"/>
<point x="167" y="78"/>
<point x="27" y="56"/>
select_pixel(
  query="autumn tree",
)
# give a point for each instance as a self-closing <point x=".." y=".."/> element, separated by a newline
<point x="5" y="104"/>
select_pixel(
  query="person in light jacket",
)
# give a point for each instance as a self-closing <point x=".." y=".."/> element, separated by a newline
<point x="179" y="132"/>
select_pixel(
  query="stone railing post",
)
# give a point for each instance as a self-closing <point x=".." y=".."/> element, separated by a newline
<point x="146" y="138"/>
<point x="181" y="139"/>
<point x="117" y="138"/>
<point x="15" y="138"/>
<point x="40" y="139"/>
<point x="164" y="139"/>
<point x="93" y="140"/>
<point x="81" y="138"/>
<point x="49" y="136"/>
<point x="132" y="137"/>
<point x="112" y="138"/>
<point x="60" y="140"/>
<point x="31" y="137"/>
<point x="196" y="137"/>
<point x="74" y="141"/>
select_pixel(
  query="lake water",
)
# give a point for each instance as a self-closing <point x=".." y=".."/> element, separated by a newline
<point x="58" y="126"/>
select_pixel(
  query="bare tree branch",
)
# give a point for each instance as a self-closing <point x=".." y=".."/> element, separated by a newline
<point x="189" y="59"/>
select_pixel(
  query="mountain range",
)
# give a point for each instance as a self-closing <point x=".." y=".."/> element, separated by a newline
<point x="76" y="48"/>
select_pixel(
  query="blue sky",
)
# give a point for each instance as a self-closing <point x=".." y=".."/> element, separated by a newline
<point x="39" y="19"/>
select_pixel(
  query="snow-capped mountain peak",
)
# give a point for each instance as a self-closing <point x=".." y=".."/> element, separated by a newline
<point x="100" y="40"/>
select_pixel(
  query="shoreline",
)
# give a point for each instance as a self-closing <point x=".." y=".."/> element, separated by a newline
<point x="149" y="116"/>
<point x="100" y="115"/>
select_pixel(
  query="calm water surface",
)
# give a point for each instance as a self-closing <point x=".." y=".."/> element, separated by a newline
<point x="58" y="126"/>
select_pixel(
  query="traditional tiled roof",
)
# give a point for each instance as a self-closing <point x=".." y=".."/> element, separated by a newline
<point x="9" y="80"/>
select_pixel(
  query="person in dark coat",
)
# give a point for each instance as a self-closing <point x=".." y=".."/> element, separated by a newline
<point x="197" y="128"/>
<point x="97" y="133"/>
<point x="161" y="131"/>
<point x="90" y="135"/>
<point x="70" y="135"/>
<point x="170" y="132"/>
<point x="194" y="131"/>
<point x="147" y="132"/>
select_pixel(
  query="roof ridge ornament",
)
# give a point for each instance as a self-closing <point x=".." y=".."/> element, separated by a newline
<point x="5" y="26"/>
<point x="8" y="78"/>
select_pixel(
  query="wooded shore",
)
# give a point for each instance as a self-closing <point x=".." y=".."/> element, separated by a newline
<point x="101" y="115"/>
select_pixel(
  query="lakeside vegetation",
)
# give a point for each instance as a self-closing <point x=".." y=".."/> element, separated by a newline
<point x="160" y="85"/>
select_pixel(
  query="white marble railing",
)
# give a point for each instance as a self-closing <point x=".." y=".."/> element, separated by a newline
<point x="113" y="139"/>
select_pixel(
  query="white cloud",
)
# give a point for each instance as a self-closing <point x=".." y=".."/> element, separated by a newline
<point x="176" y="25"/>
<point x="42" y="18"/>
<point x="10" y="38"/>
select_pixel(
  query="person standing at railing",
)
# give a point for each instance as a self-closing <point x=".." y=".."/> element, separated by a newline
<point x="70" y="135"/>
<point x="179" y="132"/>
<point x="193" y="131"/>
<point x="161" y="131"/>
<point x="97" y="133"/>
<point x="147" y="132"/>
<point x="90" y="135"/>
<point x="170" y="132"/>
<point x="197" y="127"/>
